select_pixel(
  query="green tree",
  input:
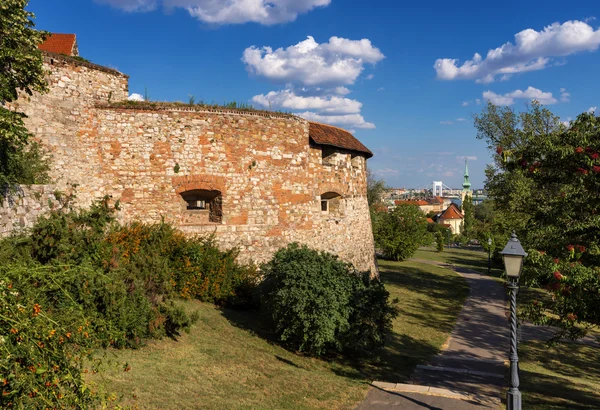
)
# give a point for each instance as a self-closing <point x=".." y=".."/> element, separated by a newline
<point x="439" y="241"/>
<point x="469" y="217"/>
<point x="484" y="212"/>
<point x="21" y="71"/>
<point x="399" y="233"/>
<point x="375" y="189"/>
<point x="545" y="184"/>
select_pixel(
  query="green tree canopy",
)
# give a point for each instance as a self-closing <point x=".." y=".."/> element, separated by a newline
<point x="21" y="70"/>
<point x="399" y="233"/>
<point x="545" y="184"/>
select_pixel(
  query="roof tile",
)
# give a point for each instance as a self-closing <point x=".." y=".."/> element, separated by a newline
<point x="59" y="43"/>
<point x="329" y="135"/>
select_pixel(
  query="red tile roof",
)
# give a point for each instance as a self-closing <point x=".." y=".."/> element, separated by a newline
<point x="59" y="43"/>
<point x="451" y="213"/>
<point x="436" y="200"/>
<point x="336" y="137"/>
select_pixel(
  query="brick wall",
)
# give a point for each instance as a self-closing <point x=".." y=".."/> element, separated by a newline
<point x="268" y="175"/>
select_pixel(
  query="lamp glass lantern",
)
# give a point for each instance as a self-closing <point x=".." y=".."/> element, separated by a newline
<point x="490" y="241"/>
<point x="513" y="255"/>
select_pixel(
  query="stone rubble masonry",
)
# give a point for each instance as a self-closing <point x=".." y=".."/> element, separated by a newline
<point x="20" y="211"/>
<point x="269" y="175"/>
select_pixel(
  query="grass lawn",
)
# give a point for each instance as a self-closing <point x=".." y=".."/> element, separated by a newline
<point x="562" y="377"/>
<point x="223" y="364"/>
<point x="474" y="259"/>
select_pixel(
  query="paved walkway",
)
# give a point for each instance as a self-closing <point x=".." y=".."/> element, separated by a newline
<point x="471" y="363"/>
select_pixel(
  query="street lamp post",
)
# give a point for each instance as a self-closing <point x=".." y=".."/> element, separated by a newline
<point x="489" y="256"/>
<point x="513" y="255"/>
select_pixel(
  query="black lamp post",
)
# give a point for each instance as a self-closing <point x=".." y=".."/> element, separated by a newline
<point x="489" y="256"/>
<point x="513" y="255"/>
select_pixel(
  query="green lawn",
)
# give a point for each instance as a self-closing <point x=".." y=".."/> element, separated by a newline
<point x="474" y="259"/>
<point x="223" y="364"/>
<point x="563" y="377"/>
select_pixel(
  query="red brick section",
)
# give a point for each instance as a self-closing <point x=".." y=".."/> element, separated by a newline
<point x="451" y="213"/>
<point x="59" y="43"/>
<point x="336" y="137"/>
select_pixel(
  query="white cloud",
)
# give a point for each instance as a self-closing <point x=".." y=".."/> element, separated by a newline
<point x="380" y="89"/>
<point x="592" y="110"/>
<point x="532" y="50"/>
<point x="465" y="103"/>
<point x="266" y="12"/>
<point x="446" y="122"/>
<point x="136" y="97"/>
<point x="460" y="119"/>
<point x="288" y="100"/>
<point x="567" y="123"/>
<point x="448" y="174"/>
<point x="370" y="77"/>
<point x="337" y="62"/>
<point x="347" y="120"/>
<point x="341" y="90"/>
<point x="316" y="78"/>
<point x="467" y="157"/>
<point x="529" y="94"/>
<point x="564" y="95"/>
<point x="478" y="101"/>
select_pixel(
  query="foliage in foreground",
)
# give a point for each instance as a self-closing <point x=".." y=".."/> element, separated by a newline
<point x="92" y="283"/>
<point x="319" y="304"/>
<point x="21" y="71"/>
<point x="546" y="185"/>
<point x="400" y="233"/>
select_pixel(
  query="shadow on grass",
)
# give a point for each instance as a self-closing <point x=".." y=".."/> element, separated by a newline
<point x="544" y="391"/>
<point x="429" y="303"/>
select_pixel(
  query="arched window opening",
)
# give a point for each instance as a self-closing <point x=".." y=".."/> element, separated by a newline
<point x="331" y="204"/>
<point x="208" y="204"/>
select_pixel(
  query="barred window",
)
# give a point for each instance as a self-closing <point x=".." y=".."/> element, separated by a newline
<point x="204" y="201"/>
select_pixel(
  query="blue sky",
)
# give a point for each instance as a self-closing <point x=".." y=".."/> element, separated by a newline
<point x="393" y="74"/>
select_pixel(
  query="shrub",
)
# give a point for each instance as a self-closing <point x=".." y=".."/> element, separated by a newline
<point x="320" y="304"/>
<point x="42" y="363"/>
<point x="439" y="240"/>
<point x="371" y="319"/>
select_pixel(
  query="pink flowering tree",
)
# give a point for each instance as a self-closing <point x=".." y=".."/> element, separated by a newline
<point x="545" y="183"/>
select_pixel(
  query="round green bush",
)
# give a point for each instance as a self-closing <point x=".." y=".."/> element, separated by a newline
<point x="319" y="304"/>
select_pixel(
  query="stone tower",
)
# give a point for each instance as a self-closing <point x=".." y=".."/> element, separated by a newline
<point x="466" y="185"/>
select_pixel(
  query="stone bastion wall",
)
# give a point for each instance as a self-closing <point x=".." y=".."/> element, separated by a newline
<point x="254" y="180"/>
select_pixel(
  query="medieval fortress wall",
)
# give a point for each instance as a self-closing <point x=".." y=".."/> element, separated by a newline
<point x="265" y="182"/>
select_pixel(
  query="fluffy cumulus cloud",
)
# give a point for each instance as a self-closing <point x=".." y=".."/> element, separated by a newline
<point x="592" y="110"/>
<point x="316" y="78"/>
<point x="266" y="12"/>
<point x="529" y="94"/>
<point x="532" y="50"/>
<point x="136" y="97"/>
<point x="338" y="62"/>
<point x="288" y="100"/>
<point x="564" y="95"/>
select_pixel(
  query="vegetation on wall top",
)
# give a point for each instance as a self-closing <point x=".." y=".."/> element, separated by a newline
<point x="200" y="106"/>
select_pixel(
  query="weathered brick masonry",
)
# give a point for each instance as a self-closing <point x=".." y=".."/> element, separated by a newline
<point x="257" y="180"/>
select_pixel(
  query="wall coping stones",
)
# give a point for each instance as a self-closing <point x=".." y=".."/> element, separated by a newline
<point x="74" y="61"/>
<point x="181" y="107"/>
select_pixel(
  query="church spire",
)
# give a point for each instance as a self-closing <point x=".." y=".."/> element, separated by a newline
<point x="466" y="183"/>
